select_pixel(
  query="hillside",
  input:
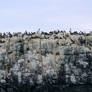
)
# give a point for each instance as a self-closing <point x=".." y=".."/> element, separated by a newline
<point x="37" y="60"/>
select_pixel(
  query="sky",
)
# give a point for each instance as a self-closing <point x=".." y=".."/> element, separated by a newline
<point x="48" y="15"/>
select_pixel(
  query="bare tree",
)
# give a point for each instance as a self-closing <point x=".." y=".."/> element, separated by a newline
<point x="41" y="55"/>
<point x="54" y="55"/>
<point x="8" y="66"/>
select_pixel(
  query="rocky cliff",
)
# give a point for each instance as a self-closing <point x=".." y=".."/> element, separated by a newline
<point x="44" y="61"/>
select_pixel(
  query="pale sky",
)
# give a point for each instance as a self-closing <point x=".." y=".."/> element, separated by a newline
<point x="21" y="15"/>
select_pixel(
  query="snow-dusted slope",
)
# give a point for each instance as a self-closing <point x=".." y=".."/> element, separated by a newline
<point x="39" y="60"/>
